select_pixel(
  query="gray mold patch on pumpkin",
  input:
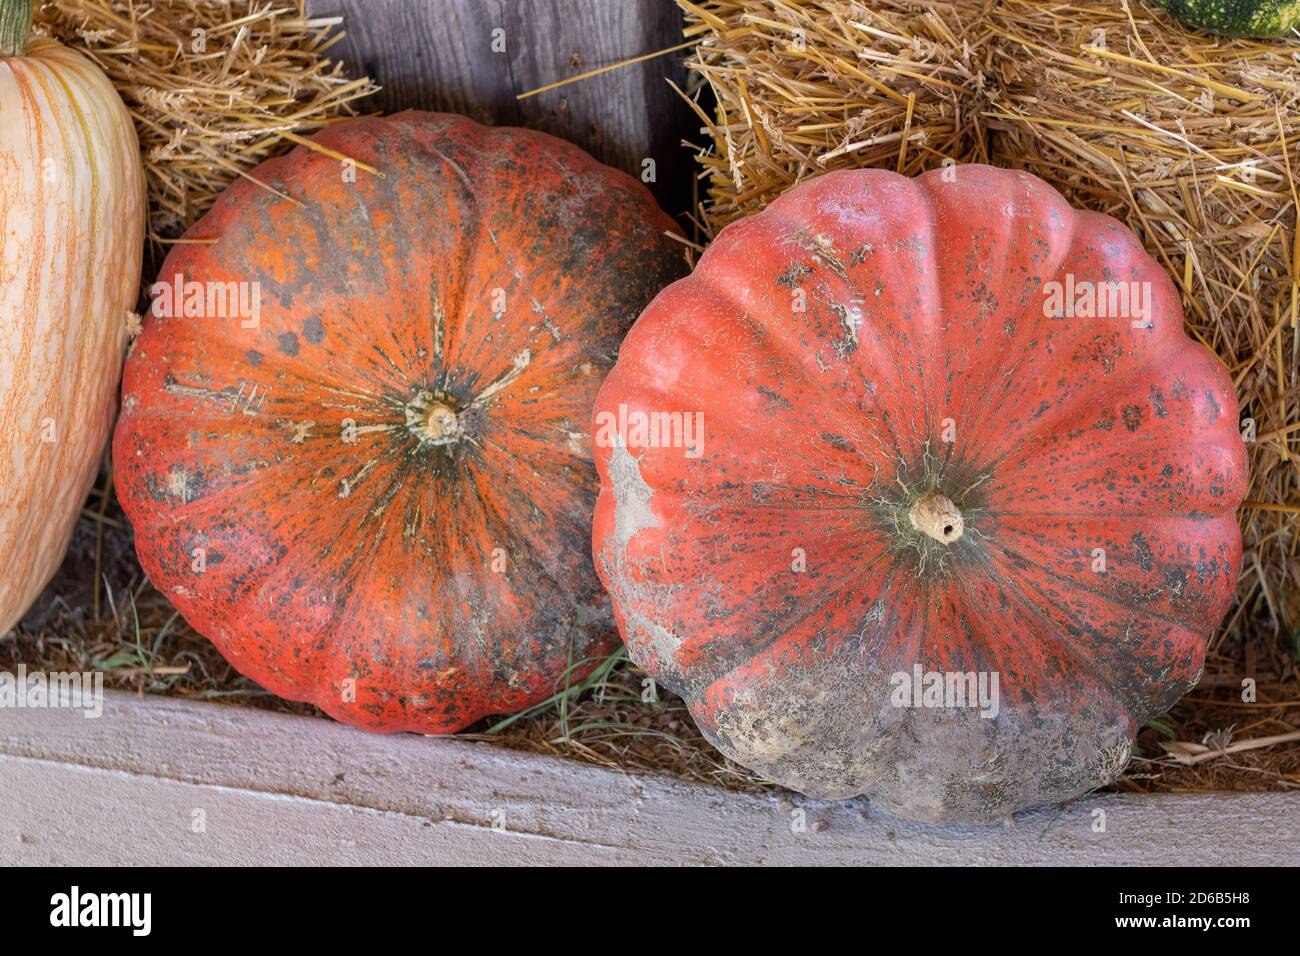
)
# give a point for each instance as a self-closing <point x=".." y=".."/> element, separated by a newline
<point x="828" y="730"/>
<point x="662" y="643"/>
<point x="632" y="512"/>
<point x="649" y="640"/>
<point x="957" y="766"/>
<point x="814" y="729"/>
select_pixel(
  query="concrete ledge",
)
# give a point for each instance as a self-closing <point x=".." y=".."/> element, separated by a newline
<point x="164" y="781"/>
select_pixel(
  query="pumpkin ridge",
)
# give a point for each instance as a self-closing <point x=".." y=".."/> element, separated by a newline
<point x="772" y="342"/>
<point x="935" y="322"/>
<point x="352" y="139"/>
<point x="252" y="591"/>
<point x="989" y="644"/>
<point x="562" y="519"/>
<point x="53" y="91"/>
<point x="1131" y="601"/>
<point x="1135" y="702"/>
<point x="883" y="415"/>
<point x="727" y="293"/>
<point x="1069" y="253"/>
<point x="1047" y="631"/>
<point x="508" y="531"/>
<point x="643" y="395"/>
<point x="725" y="657"/>
<point x="24" y="356"/>
<point x="991" y="410"/>
<point x="724" y="288"/>
<point x="456" y="309"/>
<point x="1144" y="609"/>
<point x="1195" y="496"/>
<point x="1023" y="453"/>
<point x="730" y="672"/>
<point x="987" y="656"/>
<point x="1070" y="411"/>
<point x="1073" y="407"/>
<point x="931" y="331"/>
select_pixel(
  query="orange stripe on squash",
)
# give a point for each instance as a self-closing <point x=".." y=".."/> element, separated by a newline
<point x="72" y="208"/>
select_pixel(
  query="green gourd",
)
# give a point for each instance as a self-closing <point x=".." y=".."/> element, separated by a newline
<point x="1237" y="18"/>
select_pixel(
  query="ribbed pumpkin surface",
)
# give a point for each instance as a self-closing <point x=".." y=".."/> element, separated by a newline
<point x="72" y="208"/>
<point x="869" y="343"/>
<point x="379" y="498"/>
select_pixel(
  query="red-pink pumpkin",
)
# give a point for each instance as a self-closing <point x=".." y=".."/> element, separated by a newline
<point x="920" y="452"/>
<point x="375" y="495"/>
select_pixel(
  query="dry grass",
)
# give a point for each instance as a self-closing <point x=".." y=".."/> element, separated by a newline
<point x="1147" y="131"/>
<point x="214" y="88"/>
<point x="805" y="88"/>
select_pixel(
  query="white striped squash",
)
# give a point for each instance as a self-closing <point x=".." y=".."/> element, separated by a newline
<point x="72" y="213"/>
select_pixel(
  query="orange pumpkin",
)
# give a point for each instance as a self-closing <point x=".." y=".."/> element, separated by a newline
<point x="354" y="441"/>
<point x="72" y="210"/>
<point x="917" y="488"/>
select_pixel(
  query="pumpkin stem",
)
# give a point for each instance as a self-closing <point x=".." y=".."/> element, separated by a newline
<point x="15" y="26"/>
<point x="433" y="420"/>
<point x="936" y="516"/>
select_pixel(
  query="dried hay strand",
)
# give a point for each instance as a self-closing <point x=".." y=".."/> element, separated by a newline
<point x="1191" y="140"/>
<point x="214" y="88"/>
<point x="803" y="88"/>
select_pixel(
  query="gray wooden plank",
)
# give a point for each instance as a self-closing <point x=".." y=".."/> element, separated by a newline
<point x="63" y="814"/>
<point x="281" y="789"/>
<point x="440" y="55"/>
<point x="429" y="54"/>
